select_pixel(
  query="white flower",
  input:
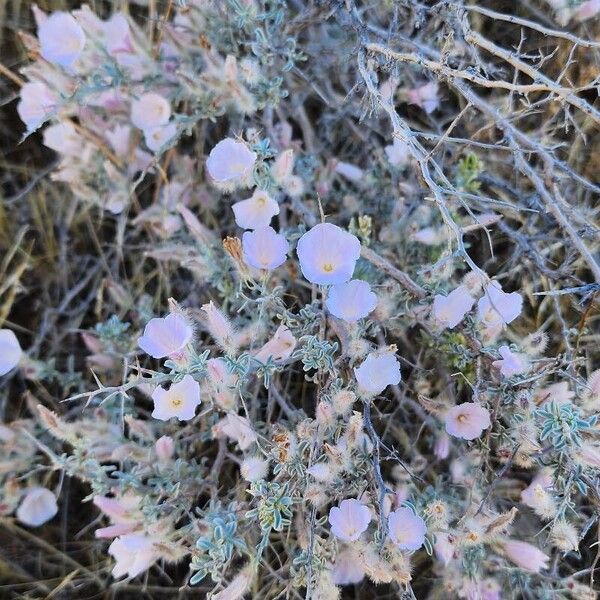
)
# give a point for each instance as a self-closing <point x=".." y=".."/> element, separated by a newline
<point x="350" y="520"/>
<point x="117" y="35"/>
<point x="511" y="363"/>
<point x="10" y="351"/>
<point x="264" y="248"/>
<point x="36" y="105"/>
<point x="150" y="110"/>
<point x="407" y="530"/>
<point x="347" y="569"/>
<point x="328" y="254"/>
<point x="166" y="337"/>
<point x="237" y="428"/>
<point x="61" y="39"/>
<point x="255" y="212"/>
<point x="349" y="171"/>
<point x="63" y="138"/>
<point x="37" y="507"/>
<point x="467" y="420"/>
<point x="180" y="400"/>
<point x="230" y="161"/>
<point x="157" y="137"/>
<point x="351" y="301"/>
<point x="450" y="310"/>
<point x="377" y="372"/>
<point x="497" y="307"/>
<point x="526" y="555"/>
<point x="398" y="153"/>
<point x="425" y="96"/>
<point x="279" y="347"/>
<point x="254" y="468"/>
<point x="134" y="553"/>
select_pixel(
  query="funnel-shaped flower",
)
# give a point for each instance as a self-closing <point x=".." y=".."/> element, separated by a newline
<point x="351" y="301"/>
<point x="350" y="520"/>
<point x="166" y="336"/>
<point x="180" y="400"/>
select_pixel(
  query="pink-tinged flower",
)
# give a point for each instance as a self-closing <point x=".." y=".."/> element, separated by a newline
<point x="254" y="468"/>
<point x="537" y="494"/>
<point x="349" y="171"/>
<point x="450" y="310"/>
<point x="589" y="455"/>
<point x="237" y="428"/>
<point x="166" y="336"/>
<point x="10" y="351"/>
<point x="443" y="547"/>
<point x="558" y="393"/>
<point x="587" y="10"/>
<point x="526" y="555"/>
<point x="351" y="301"/>
<point x="425" y="96"/>
<point x="406" y="529"/>
<point x="489" y="589"/>
<point x="230" y="161"/>
<point x="467" y="420"/>
<point x="222" y="383"/>
<point x="157" y="137"/>
<point x="164" y="448"/>
<point x="61" y="39"/>
<point x="511" y="363"/>
<point x="255" y="212"/>
<point x="497" y="307"/>
<point x="134" y="553"/>
<point x="218" y="324"/>
<point x="264" y="248"/>
<point x="63" y="138"/>
<point x="123" y="512"/>
<point x="397" y="153"/>
<point x="441" y="447"/>
<point x="150" y="110"/>
<point x="117" y="35"/>
<point x="377" y="371"/>
<point x="36" y="105"/>
<point x="350" y="520"/>
<point x="180" y="400"/>
<point x="328" y="254"/>
<point x="283" y="166"/>
<point x="37" y="507"/>
<point x="347" y="569"/>
<point x="279" y="347"/>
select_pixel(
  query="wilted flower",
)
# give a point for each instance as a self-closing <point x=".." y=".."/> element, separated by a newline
<point x="218" y="325"/>
<point x="36" y="105"/>
<point x="526" y="556"/>
<point x="63" y="138"/>
<point x="406" y="529"/>
<point x="255" y="212"/>
<point x="166" y="336"/>
<point x="328" y="254"/>
<point x="350" y="520"/>
<point x="588" y="454"/>
<point x="467" y="420"/>
<point x="61" y="39"/>
<point x="157" y="137"/>
<point x="237" y="428"/>
<point x="398" y="153"/>
<point x="264" y="248"/>
<point x="377" y="371"/>
<point x="347" y="569"/>
<point x="230" y="161"/>
<point x="180" y="400"/>
<point x="511" y="363"/>
<point x="565" y="536"/>
<point x="10" y="351"/>
<point x="557" y="393"/>
<point x="164" y="448"/>
<point x="254" y="468"/>
<point x="37" y="507"/>
<point x="351" y="301"/>
<point x="283" y="166"/>
<point x="222" y="383"/>
<point x="537" y="496"/>
<point x="425" y="96"/>
<point x="150" y="110"/>
<point x="442" y="446"/>
<point x="497" y="307"/>
<point x="349" y="171"/>
<point x="450" y="310"/>
<point x="279" y="347"/>
<point x="134" y="553"/>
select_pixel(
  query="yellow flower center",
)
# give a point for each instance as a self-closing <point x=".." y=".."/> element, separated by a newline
<point x="261" y="200"/>
<point x="176" y="402"/>
<point x="462" y="418"/>
<point x="327" y="267"/>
